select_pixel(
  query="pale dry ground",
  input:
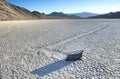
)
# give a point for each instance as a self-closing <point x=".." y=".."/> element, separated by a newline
<point x="37" y="49"/>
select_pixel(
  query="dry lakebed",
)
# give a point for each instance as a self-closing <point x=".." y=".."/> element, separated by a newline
<point x="36" y="49"/>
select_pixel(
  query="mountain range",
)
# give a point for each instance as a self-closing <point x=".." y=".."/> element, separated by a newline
<point x="61" y="15"/>
<point x="9" y="11"/>
<point x="84" y="14"/>
<point x="87" y="15"/>
<point x="111" y="15"/>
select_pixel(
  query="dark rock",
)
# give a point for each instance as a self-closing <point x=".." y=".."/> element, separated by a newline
<point x="74" y="57"/>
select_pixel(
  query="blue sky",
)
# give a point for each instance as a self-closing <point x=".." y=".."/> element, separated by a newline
<point x="69" y="6"/>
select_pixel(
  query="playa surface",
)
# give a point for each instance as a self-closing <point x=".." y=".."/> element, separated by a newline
<point x="37" y="49"/>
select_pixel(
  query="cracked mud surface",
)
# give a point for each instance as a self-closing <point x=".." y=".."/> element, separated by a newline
<point x="37" y="49"/>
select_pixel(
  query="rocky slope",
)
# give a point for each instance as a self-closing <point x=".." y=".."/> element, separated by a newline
<point x="12" y="12"/>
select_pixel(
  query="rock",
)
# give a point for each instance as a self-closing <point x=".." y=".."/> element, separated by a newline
<point x="74" y="57"/>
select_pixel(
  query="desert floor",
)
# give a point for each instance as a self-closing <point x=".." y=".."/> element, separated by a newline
<point x="36" y="49"/>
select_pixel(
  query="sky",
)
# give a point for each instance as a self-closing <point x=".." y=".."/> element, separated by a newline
<point x="69" y="6"/>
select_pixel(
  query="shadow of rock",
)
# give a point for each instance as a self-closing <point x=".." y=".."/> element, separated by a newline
<point x="0" y="73"/>
<point x="0" y="76"/>
<point x="51" y="68"/>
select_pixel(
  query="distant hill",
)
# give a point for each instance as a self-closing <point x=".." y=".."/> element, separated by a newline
<point x="58" y="14"/>
<point x="61" y="15"/>
<point x="38" y="14"/>
<point x="84" y="14"/>
<point x="12" y="12"/>
<point x="111" y="15"/>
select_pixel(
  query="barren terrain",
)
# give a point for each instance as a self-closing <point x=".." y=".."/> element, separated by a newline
<point x="36" y="49"/>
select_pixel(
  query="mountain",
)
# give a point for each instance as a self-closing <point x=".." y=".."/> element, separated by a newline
<point x="84" y="14"/>
<point x="38" y="14"/>
<point x="12" y="12"/>
<point x="110" y="15"/>
<point x="61" y="15"/>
